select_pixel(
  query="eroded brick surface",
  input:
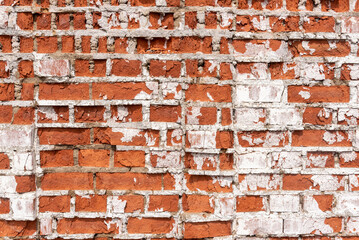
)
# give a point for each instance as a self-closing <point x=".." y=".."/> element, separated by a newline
<point x="179" y="119"/>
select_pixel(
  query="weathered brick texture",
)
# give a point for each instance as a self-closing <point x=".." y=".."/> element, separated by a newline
<point x="179" y="119"/>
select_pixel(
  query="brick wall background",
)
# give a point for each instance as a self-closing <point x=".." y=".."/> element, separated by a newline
<point x="172" y="119"/>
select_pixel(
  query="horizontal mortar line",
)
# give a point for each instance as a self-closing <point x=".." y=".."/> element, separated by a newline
<point x="145" y="9"/>
<point x="184" y="56"/>
<point x="201" y="33"/>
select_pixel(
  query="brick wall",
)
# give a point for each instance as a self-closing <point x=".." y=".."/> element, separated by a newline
<point x="172" y="119"/>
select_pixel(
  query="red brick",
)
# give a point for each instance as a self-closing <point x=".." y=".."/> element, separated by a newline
<point x="163" y="113"/>
<point x="25" y="20"/>
<point x="250" y="204"/>
<point x="67" y="181"/>
<point x="134" y="203"/>
<point x="6" y="91"/>
<point x="304" y="94"/>
<point x="54" y="204"/>
<point x="4" y="206"/>
<point x="129" y="159"/>
<point x="145" y="3"/>
<point x="317" y="116"/>
<point x="199" y="2"/>
<point x="59" y="91"/>
<point x="128" y="181"/>
<point x="91" y="203"/>
<point x="207" y="229"/>
<point x="335" y="5"/>
<point x="26" y="69"/>
<point x="208" y="183"/>
<point x="4" y="161"/>
<point x="191" y="19"/>
<point x="64" y="136"/>
<point x="283" y="71"/>
<point x="6" y="44"/>
<point x="319" y="24"/>
<point x="208" y="93"/>
<point x="5" y="114"/>
<point x="82" y="68"/>
<point x="46" y="44"/>
<point x="26" y="45"/>
<point x="94" y="158"/>
<point x="165" y="68"/>
<point x="55" y="114"/>
<point x="120" y="91"/>
<point x="79" y="21"/>
<point x="27" y="91"/>
<point x="56" y="158"/>
<point x="63" y="21"/>
<point x="24" y="116"/>
<point x="17" y="228"/>
<point x="210" y="20"/>
<point x="121" y="45"/>
<point x="197" y="203"/>
<point x="128" y="113"/>
<point x="316" y="159"/>
<point x="305" y="182"/>
<point x="25" y="183"/>
<point x="319" y="48"/>
<point x="320" y="138"/>
<point x="88" y="114"/>
<point x="67" y="44"/>
<point x="142" y="137"/>
<point x="86" y="225"/>
<point x="286" y="24"/>
<point x="150" y="225"/>
<point x="167" y="203"/>
<point x="43" y="21"/>
<point x="4" y="72"/>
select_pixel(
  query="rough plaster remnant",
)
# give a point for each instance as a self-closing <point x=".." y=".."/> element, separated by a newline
<point x="284" y="117"/>
<point x="250" y="117"/>
<point x="284" y="203"/>
<point x="306" y="225"/>
<point x="304" y="94"/>
<point x="116" y="205"/>
<point x="255" y="182"/>
<point x="317" y="161"/>
<point x="287" y="159"/>
<point x="202" y="139"/>
<point x="168" y="159"/>
<point x="7" y="184"/>
<point x="350" y="116"/>
<point x="259" y="225"/>
<point x="128" y="134"/>
<point x="20" y="136"/>
<point x="328" y="182"/>
<point x="200" y="159"/>
<point x="23" y="207"/>
<point x="252" y="160"/>
<point x="49" y="112"/>
<point x="311" y="205"/>
<point x="332" y="138"/>
<point x="348" y="156"/>
<point x="259" y="93"/>
<point x="52" y="67"/>
<point x="23" y="161"/>
<point x="258" y="71"/>
<point x="348" y="204"/>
